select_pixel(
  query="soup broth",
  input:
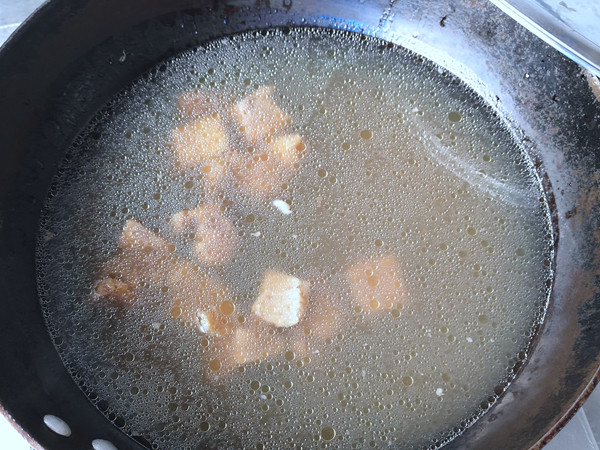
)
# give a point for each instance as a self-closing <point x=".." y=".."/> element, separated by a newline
<point x="295" y="238"/>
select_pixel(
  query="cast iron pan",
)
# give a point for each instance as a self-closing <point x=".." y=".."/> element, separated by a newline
<point x="66" y="61"/>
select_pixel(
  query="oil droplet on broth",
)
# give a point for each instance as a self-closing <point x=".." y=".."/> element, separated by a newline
<point x="227" y="308"/>
<point x="381" y="197"/>
<point x="327" y="433"/>
<point x="366" y="134"/>
<point x="454" y="116"/>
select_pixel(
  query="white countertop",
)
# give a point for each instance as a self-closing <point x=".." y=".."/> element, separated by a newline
<point x="581" y="433"/>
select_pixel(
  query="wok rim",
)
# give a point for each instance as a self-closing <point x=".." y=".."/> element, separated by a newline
<point x="571" y="410"/>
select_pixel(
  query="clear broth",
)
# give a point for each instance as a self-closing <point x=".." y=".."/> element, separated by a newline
<point x="404" y="159"/>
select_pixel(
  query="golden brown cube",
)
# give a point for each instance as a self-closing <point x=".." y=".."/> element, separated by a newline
<point x="259" y="116"/>
<point x="196" y="143"/>
<point x="114" y="289"/>
<point x="326" y="321"/>
<point x="262" y="175"/>
<point x="376" y="285"/>
<point x="288" y="149"/>
<point x="325" y="317"/>
<point x="195" y="297"/>
<point x="141" y="258"/>
<point x="214" y="233"/>
<point x="198" y="103"/>
<point x="259" y="178"/>
<point x="130" y="268"/>
<point x="213" y="323"/>
<point x="301" y="342"/>
<point x="191" y="285"/>
<point x="214" y="173"/>
<point x="282" y="299"/>
<point x="136" y="235"/>
<point x="135" y="266"/>
<point x="254" y="344"/>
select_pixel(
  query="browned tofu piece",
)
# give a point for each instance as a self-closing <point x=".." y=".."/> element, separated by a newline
<point x="195" y="297"/>
<point x="259" y="116"/>
<point x="214" y="173"/>
<point x="288" y="149"/>
<point x="325" y="317"/>
<point x="136" y="235"/>
<point x="262" y="175"/>
<point x="254" y="344"/>
<point x="214" y="233"/>
<point x="251" y="342"/>
<point x="282" y="299"/>
<point x="326" y="321"/>
<point x="192" y="285"/>
<point x="114" y="289"/>
<point x="254" y="341"/>
<point x="184" y="275"/>
<point x="137" y="265"/>
<point x="213" y="323"/>
<point x="259" y="178"/>
<point x="129" y="269"/>
<point x="196" y="143"/>
<point x="142" y="257"/>
<point x="376" y="284"/>
<point x="302" y="343"/>
<point x="198" y="103"/>
<point x="206" y="322"/>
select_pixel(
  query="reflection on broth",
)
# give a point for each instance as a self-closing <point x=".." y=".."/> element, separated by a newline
<point x="300" y="238"/>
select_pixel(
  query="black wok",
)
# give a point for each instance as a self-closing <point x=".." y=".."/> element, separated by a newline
<point x="67" y="60"/>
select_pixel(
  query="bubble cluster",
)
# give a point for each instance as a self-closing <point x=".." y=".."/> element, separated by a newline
<point x="398" y="158"/>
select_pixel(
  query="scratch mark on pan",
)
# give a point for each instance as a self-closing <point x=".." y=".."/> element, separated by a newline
<point x="386" y="17"/>
<point x="462" y="168"/>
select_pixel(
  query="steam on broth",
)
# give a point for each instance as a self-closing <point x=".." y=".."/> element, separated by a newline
<point x="299" y="238"/>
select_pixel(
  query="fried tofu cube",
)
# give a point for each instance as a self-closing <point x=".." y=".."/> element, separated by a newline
<point x="259" y="178"/>
<point x="301" y="342"/>
<point x="324" y="318"/>
<point x="282" y="299"/>
<point x="197" y="103"/>
<point x="135" y="266"/>
<point x="129" y="269"/>
<point x="288" y="149"/>
<point x="136" y="235"/>
<point x="214" y="233"/>
<point x="376" y="285"/>
<point x="191" y="286"/>
<point x="141" y="258"/>
<point x="195" y="297"/>
<point x="214" y="173"/>
<point x="185" y="275"/>
<point x="263" y="175"/>
<point x="114" y="289"/>
<point x="189" y="311"/>
<point x="213" y="323"/>
<point x="197" y="142"/>
<point x="259" y="116"/>
<point x="326" y="315"/>
<point x="325" y="322"/>
<point x="252" y="344"/>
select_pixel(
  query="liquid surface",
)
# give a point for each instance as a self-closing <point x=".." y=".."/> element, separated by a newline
<point x="402" y="161"/>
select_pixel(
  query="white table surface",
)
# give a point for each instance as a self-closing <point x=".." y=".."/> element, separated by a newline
<point x="581" y="433"/>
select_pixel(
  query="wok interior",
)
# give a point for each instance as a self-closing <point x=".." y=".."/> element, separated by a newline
<point x="49" y="97"/>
